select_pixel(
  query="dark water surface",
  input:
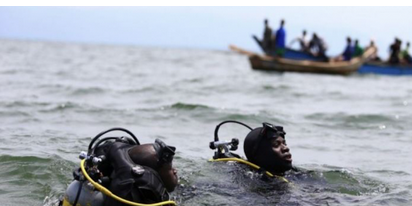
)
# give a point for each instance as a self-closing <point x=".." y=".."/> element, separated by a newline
<point x="350" y="136"/>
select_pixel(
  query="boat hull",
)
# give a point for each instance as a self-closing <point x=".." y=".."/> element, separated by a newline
<point x="387" y="69"/>
<point x="286" y="65"/>
<point x="270" y="63"/>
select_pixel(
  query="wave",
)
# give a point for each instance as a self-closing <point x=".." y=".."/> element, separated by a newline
<point x="186" y="106"/>
<point x="355" y="118"/>
<point x="88" y="91"/>
<point x="14" y="114"/>
<point x="356" y="121"/>
<point x="216" y="115"/>
<point x="282" y="87"/>
<point x="150" y="90"/>
<point x="22" y="103"/>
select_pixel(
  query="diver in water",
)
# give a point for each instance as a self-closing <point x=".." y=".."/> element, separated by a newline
<point x="119" y="171"/>
<point x="265" y="148"/>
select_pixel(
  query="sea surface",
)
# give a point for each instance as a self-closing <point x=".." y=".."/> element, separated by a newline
<point x="350" y="136"/>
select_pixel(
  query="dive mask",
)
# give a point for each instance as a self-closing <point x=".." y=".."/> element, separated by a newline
<point x="268" y="131"/>
<point x="164" y="152"/>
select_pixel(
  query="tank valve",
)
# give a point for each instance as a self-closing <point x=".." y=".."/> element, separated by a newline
<point x="83" y="155"/>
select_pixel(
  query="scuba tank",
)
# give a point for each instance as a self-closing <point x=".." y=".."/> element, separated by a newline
<point x="88" y="196"/>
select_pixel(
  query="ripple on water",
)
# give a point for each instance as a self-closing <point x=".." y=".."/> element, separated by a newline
<point x="354" y="121"/>
<point x="42" y="176"/>
<point x="185" y="106"/>
<point x="231" y="183"/>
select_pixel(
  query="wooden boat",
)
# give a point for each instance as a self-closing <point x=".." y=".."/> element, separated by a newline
<point x="368" y="67"/>
<point x="270" y="63"/>
<point x="385" y="68"/>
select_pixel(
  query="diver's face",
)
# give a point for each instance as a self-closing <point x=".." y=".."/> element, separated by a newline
<point x="169" y="176"/>
<point x="281" y="151"/>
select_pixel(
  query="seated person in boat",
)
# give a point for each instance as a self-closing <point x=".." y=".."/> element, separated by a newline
<point x="395" y="50"/>
<point x="405" y="56"/>
<point x="303" y="42"/>
<point x="267" y="37"/>
<point x="280" y="39"/>
<point x="130" y="171"/>
<point x="358" y="51"/>
<point x="265" y="149"/>
<point x="317" y="46"/>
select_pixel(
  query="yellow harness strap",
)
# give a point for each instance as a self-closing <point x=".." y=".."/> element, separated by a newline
<point x="250" y="164"/>
<point x="110" y="194"/>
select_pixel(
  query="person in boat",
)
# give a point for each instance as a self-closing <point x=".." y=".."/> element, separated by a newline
<point x="374" y="56"/>
<point x="395" y="50"/>
<point x="405" y="56"/>
<point x="133" y="172"/>
<point x="280" y="39"/>
<point x="265" y="149"/>
<point x="267" y="37"/>
<point x="358" y="50"/>
<point x="303" y="41"/>
<point x="348" y="52"/>
<point x="317" y="46"/>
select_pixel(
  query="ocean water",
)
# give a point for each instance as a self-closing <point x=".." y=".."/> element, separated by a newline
<point x="350" y="136"/>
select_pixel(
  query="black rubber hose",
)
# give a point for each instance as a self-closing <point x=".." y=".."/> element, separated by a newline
<point x="100" y="141"/>
<point x="228" y="121"/>
<point x="110" y="130"/>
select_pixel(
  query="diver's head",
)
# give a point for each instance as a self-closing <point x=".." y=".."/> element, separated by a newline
<point x="266" y="147"/>
<point x="159" y="157"/>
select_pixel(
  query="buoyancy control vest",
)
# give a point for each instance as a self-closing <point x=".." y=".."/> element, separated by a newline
<point x="131" y="181"/>
<point x="123" y="178"/>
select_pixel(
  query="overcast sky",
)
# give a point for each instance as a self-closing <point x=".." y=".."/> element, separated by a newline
<point x="204" y="27"/>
